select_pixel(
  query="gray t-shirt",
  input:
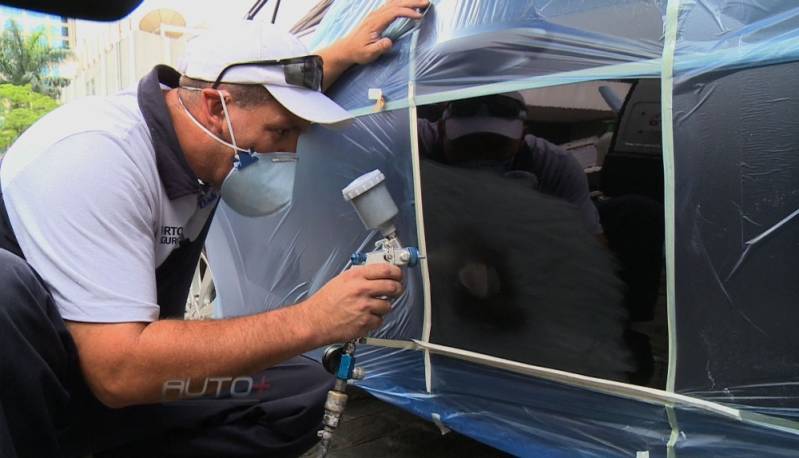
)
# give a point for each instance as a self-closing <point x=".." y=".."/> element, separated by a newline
<point x="557" y="172"/>
<point x="100" y="212"/>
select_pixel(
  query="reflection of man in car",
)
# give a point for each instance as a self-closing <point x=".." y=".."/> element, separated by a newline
<point x="488" y="132"/>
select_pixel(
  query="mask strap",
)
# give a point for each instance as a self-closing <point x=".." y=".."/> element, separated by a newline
<point x="235" y="148"/>
<point x="227" y="118"/>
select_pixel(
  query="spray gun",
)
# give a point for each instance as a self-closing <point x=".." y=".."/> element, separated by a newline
<point x="377" y="210"/>
<point x="374" y="205"/>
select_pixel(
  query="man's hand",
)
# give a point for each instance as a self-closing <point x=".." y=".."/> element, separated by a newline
<point x="349" y="305"/>
<point x="364" y="44"/>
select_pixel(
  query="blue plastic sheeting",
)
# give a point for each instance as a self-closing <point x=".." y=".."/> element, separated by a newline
<point x="736" y="34"/>
<point x="528" y="417"/>
<point x="513" y="413"/>
<point x="736" y="185"/>
<point x="725" y="24"/>
<point x="527" y="39"/>
<point x="533" y="416"/>
<point x="704" y="435"/>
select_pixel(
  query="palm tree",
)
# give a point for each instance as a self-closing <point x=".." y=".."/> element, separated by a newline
<point x="29" y="59"/>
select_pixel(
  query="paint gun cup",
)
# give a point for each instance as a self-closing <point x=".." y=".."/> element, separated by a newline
<point x="373" y="203"/>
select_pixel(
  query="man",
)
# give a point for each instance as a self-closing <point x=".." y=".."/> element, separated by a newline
<point x="488" y="132"/>
<point x="106" y="204"/>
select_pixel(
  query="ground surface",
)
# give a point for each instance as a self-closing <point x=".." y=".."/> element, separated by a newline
<point x="373" y="428"/>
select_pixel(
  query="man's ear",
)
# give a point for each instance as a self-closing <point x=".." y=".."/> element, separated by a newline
<point x="212" y="109"/>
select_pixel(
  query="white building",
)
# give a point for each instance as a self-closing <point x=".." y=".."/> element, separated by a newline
<point x="58" y="31"/>
<point x="109" y="57"/>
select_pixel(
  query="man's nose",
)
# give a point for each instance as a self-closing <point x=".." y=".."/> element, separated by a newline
<point x="291" y="141"/>
<point x="300" y="127"/>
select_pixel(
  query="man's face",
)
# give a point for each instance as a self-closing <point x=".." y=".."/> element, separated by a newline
<point x="266" y="127"/>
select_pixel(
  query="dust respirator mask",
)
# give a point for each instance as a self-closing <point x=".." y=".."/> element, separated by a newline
<point x="259" y="184"/>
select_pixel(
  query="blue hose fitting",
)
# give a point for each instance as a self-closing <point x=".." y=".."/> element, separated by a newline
<point x="357" y="259"/>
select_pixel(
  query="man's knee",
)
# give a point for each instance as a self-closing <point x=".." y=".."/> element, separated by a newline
<point x="11" y="263"/>
<point x="35" y="345"/>
<point x="309" y="384"/>
<point x="28" y="316"/>
<point x="299" y="388"/>
<point x="20" y="288"/>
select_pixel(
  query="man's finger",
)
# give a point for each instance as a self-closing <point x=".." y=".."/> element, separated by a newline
<point x="384" y="18"/>
<point x="410" y="3"/>
<point x="380" y="46"/>
<point x="379" y="307"/>
<point x="372" y="323"/>
<point x="382" y="272"/>
<point x="380" y="288"/>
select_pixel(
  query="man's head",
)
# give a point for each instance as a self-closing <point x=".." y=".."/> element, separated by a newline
<point x="248" y="87"/>
<point x="489" y="128"/>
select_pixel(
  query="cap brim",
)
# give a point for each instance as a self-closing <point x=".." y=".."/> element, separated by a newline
<point x="458" y="127"/>
<point x="311" y="105"/>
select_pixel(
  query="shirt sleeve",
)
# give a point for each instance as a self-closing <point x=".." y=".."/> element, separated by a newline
<point x="84" y="222"/>
<point x="560" y="174"/>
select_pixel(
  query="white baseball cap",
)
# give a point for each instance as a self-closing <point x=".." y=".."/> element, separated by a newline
<point x="482" y="121"/>
<point x="213" y="50"/>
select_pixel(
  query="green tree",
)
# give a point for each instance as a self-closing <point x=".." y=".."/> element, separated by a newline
<point x="28" y="59"/>
<point x="20" y="107"/>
